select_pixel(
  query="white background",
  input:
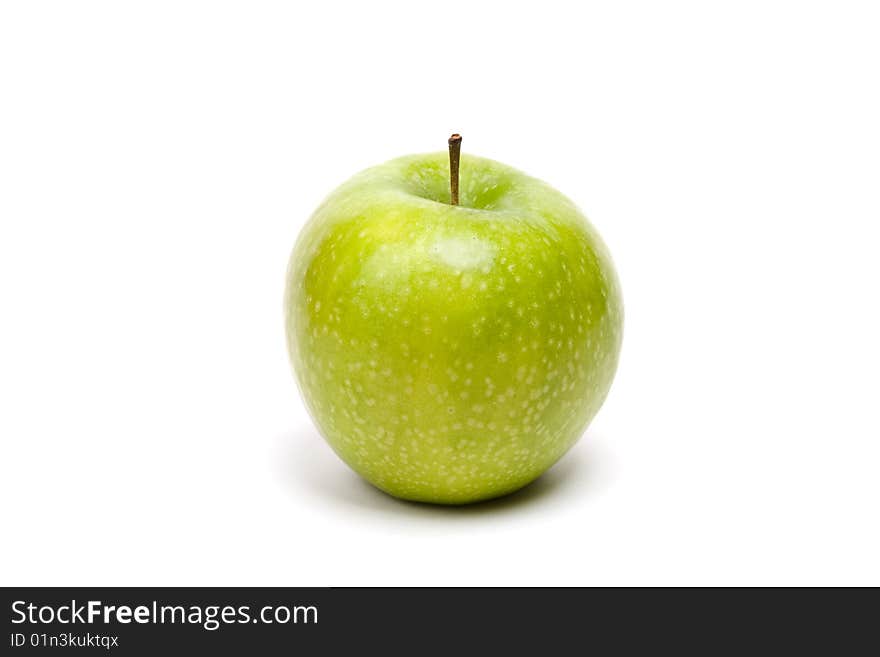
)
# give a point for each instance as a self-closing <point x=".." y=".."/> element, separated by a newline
<point x="158" y="159"/>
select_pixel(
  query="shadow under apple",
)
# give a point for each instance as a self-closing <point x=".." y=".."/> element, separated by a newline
<point x="308" y="467"/>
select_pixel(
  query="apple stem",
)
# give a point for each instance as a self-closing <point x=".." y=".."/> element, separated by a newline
<point x="454" y="159"/>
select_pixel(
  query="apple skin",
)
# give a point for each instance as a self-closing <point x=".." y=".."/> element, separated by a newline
<point x="451" y="354"/>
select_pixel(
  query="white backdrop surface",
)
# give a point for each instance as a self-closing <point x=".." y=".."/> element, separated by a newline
<point x="158" y="159"/>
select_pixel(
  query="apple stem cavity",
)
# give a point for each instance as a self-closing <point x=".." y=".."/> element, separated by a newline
<point x="454" y="159"/>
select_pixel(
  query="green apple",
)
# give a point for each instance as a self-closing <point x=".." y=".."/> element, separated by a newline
<point x="451" y="353"/>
